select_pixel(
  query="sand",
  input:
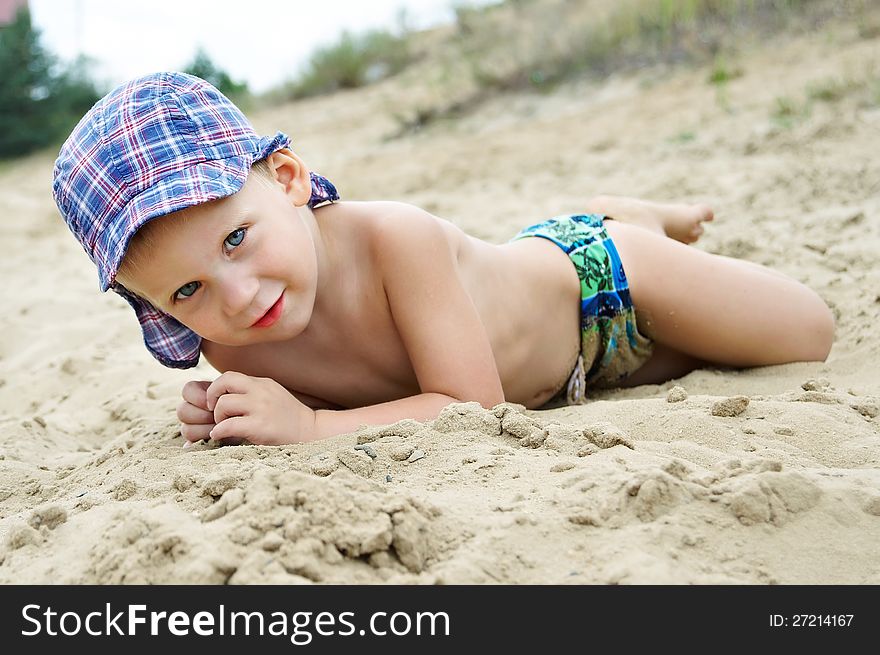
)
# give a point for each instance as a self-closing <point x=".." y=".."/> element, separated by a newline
<point x="760" y="476"/>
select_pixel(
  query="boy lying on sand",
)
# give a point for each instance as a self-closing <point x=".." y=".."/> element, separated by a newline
<point x="325" y="315"/>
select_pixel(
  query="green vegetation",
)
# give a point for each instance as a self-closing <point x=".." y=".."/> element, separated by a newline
<point x="719" y="75"/>
<point x="686" y="136"/>
<point x="787" y="111"/>
<point x="721" y="72"/>
<point x="490" y="49"/>
<point x="864" y="88"/>
<point x="634" y="33"/>
<point x="536" y="45"/>
<point x="830" y="89"/>
<point x="39" y="101"/>
<point x="202" y="66"/>
<point x="352" y="62"/>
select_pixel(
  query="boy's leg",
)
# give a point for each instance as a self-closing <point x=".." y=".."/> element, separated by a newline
<point x="719" y="309"/>
<point x="681" y="222"/>
<point x="664" y="364"/>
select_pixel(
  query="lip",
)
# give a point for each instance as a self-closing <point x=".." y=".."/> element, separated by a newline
<point x="272" y="314"/>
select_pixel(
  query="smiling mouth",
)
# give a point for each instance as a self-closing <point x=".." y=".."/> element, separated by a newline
<point x="272" y="315"/>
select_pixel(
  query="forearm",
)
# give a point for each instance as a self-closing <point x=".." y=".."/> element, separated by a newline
<point x="424" y="407"/>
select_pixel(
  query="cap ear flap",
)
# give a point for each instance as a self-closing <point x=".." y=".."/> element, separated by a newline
<point x="323" y="191"/>
<point x="173" y="344"/>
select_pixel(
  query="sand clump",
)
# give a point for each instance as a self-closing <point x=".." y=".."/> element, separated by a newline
<point x="676" y="394"/>
<point x="733" y="406"/>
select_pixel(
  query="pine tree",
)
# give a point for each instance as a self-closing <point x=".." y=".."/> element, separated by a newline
<point x="202" y="66"/>
<point x="38" y="106"/>
<point x="24" y="88"/>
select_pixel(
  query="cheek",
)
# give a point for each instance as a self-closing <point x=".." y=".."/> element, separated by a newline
<point x="213" y="328"/>
<point x="201" y="321"/>
<point x="307" y="266"/>
<point x="297" y="261"/>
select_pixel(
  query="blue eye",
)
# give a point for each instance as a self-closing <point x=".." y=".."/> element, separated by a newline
<point x="235" y="238"/>
<point x="188" y="289"/>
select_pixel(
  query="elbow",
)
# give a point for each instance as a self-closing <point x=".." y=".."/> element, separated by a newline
<point x="820" y="327"/>
<point x="489" y="404"/>
<point x="488" y="400"/>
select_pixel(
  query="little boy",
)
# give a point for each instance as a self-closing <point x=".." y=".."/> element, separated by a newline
<point x="325" y="315"/>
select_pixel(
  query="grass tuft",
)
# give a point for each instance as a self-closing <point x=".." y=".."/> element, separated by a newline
<point x="353" y="61"/>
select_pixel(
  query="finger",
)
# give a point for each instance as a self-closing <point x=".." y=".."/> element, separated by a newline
<point x="188" y="413"/>
<point x="234" y="428"/>
<point x="229" y="405"/>
<point x="194" y="392"/>
<point x="195" y="432"/>
<point x="229" y="382"/>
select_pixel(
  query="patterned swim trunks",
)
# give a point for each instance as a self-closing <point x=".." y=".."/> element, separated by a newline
<point x="611" y="346"/>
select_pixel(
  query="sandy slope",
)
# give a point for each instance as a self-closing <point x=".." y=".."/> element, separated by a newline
<point x="630" y="488"/>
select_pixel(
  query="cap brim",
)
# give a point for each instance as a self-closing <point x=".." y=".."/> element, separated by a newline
<point x="203" y="182"/>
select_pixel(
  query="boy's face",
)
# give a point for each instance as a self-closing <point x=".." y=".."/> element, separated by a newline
<point x="237" y="271"/>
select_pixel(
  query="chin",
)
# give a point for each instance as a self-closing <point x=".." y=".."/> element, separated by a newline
<point x="295" y="320"/>
<point x="289" y="330"/>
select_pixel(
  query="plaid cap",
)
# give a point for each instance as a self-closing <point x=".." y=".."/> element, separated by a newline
<point x="153" y="146"/>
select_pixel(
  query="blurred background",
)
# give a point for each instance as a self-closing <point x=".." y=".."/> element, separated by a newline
<point x="263" y="48"/>
<point x="59" y="56"/>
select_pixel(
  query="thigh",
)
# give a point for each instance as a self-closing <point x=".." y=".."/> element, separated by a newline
<point x="719" y="309"/>
<point x="665" y="364"/>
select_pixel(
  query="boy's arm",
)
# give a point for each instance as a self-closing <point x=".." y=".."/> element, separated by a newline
<point x="437" y="321"/>
<point x="263" y="412"/>
<point x="434" y="314"/>
<point x="424" y="407"/>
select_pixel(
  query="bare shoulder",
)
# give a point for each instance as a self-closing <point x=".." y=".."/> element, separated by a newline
<point x="379" y="221"/>
<point x="376" y="211"/>
<point x="395" y="226"/>
<point x="367" y="210"/>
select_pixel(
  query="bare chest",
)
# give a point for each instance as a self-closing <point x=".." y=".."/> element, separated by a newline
<point x="350" y="355"/>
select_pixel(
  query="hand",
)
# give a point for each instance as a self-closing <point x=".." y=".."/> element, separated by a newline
<point x="258" y="410"/>
<point x="195" y="417"/>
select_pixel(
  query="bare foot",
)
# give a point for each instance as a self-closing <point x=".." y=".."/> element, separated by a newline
<point x="677" y="221"/>
<point x="683" y="222"/>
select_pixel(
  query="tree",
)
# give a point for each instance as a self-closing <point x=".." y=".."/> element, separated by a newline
<point x="202" y="66"/>
<point x="39" y="104"/>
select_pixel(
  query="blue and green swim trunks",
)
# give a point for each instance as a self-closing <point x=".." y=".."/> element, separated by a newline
<point x="611" y="346"/>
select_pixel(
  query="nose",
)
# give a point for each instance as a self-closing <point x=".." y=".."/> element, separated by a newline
<point x="237" y="292"/>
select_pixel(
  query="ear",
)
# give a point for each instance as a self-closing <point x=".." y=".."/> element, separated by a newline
<point x="291" y="173"/>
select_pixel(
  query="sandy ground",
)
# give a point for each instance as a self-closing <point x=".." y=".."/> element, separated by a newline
<point x="629" y="488"/>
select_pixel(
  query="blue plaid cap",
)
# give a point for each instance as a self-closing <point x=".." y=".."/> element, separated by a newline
<point x="153" y="146"/>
